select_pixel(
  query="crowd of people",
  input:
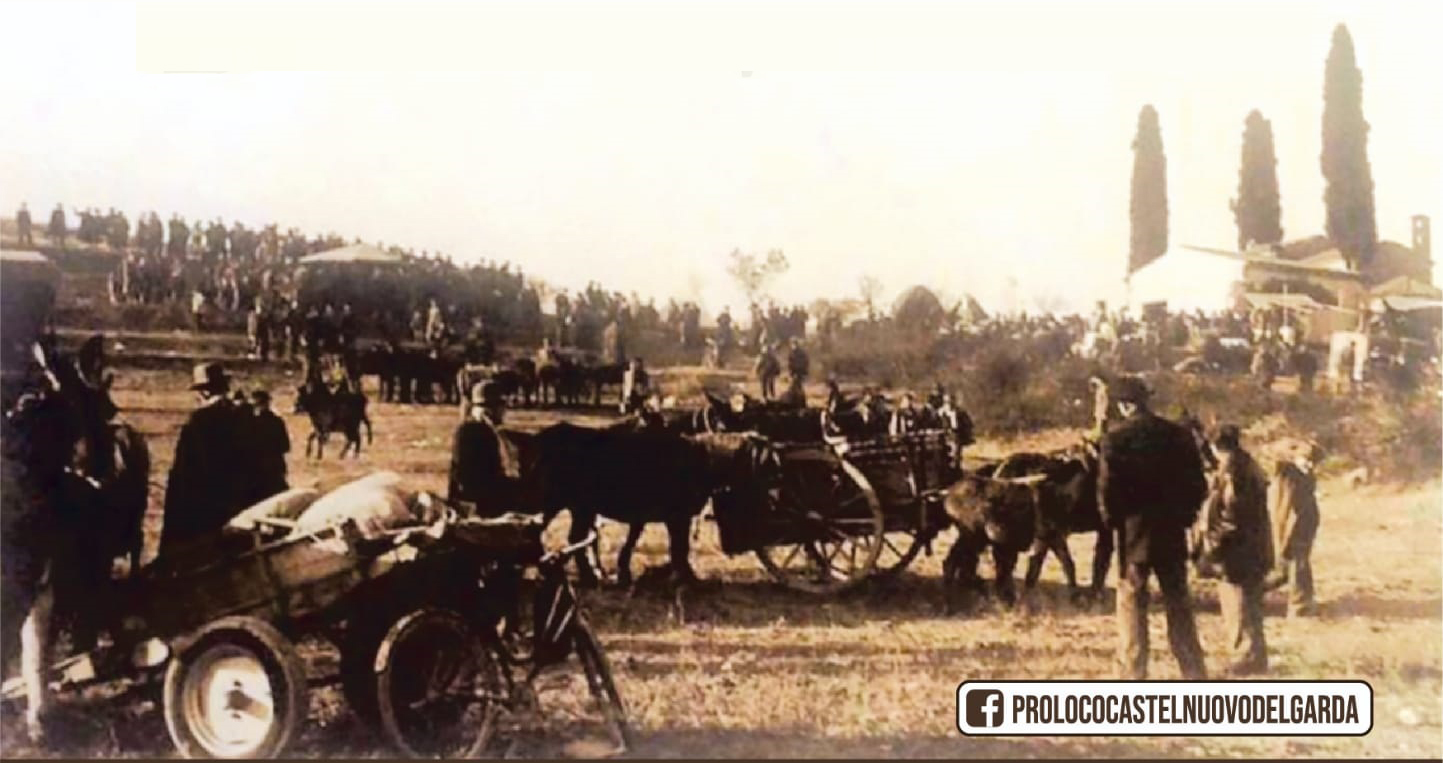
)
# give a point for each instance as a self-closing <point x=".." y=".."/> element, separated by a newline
<point x="231" y="271"/>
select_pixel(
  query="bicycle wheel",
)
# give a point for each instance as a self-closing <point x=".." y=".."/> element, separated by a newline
<point x="603" y="686"/>
<point x="578" y="711"/>
<point x="439" y="688"/>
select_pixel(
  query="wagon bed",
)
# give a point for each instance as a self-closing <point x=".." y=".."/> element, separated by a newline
<point x="845" y="511"/>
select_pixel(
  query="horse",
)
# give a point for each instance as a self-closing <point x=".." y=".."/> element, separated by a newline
<point x="330" y="411"/>
<point x="76" y="488"/>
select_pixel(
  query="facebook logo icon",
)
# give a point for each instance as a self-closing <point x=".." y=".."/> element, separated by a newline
<point x="984" y="708"/>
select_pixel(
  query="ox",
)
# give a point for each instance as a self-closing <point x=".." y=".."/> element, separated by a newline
<point x="1031" y="502"/>
<point x="640" y="477"/>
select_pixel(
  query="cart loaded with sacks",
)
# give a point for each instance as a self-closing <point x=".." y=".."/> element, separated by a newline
<point x="436" y="651"/>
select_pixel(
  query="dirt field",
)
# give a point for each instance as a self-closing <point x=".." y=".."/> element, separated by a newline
<point x="764" y="672"/>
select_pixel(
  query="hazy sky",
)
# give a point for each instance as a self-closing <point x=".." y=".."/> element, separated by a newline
<point x="961" y="146"/>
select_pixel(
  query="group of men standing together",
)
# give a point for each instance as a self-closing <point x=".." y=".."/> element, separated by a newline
<point x="230" y="454"/>
<point x="1155" y="494"/>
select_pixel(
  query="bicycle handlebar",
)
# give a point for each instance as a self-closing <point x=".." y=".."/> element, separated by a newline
<point x="569" y="550"/>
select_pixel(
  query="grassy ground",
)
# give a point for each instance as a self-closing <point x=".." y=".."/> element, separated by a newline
<point x="760" y="671"/>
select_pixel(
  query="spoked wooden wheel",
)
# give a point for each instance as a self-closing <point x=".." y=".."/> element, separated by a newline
<point x="899" y="548"/>
<point x="837" y="536"/>
<point x="439" y="689"/>
<point x="904" y="540"/>
<point x="238" y="691"/>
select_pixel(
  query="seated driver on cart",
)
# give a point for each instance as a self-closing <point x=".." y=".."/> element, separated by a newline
<point x="484" y="463"/>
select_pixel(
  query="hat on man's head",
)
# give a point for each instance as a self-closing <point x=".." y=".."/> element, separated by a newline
<point x="486" y="393"/>
<point x="1129" y="389"/>
<point x="1229" y="437"/>
<point x="210" y="377"/>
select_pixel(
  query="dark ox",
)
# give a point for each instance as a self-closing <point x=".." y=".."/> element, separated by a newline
<point x="608" y="375"/>
<point x="640" y="477"/>
<point x="776" y="421"/>
<point x="1031" y="502"/>
<point x="409" y="374"/>
<point x="560" y="382"/>
<point x="342" y="411"/>
<point x="74" y="495"/>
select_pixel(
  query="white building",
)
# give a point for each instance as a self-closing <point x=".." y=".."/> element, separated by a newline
<point x="1185" y="280"/>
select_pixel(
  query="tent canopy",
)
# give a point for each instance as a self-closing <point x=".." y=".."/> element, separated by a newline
<point x="356" y="254"/>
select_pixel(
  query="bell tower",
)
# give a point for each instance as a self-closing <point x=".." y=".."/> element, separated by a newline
<point x="1422" y="238"/>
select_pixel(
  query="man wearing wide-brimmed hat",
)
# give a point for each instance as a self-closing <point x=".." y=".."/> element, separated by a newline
<point x="207" y="479"/>
<point x="1150" y="488"/>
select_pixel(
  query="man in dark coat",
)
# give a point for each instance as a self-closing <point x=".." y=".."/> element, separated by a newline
<point x="799" y="366"/>
<point x="271" y="442"/>
<point x="57" y="228"/>
<point x="22" y="221"/>
<point x="484" y="465"/>
<point x="1236" y="538"/>
<point x="767" y="369"/>
<point x="1150" y="487"/>
<point x="207" y="483"/>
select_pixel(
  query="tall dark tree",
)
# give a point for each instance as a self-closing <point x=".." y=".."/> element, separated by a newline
<point x="1149" y="192"/>
<point x="1352" y="224"/>
<point x="1258" y="208"/>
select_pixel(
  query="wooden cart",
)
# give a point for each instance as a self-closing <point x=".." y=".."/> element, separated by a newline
<point x="845" y="511"/>
<point x="411" y="614"/>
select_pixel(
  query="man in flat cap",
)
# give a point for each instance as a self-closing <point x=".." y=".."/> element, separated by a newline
<point x="484" y="465"/>
<point x="1237" y="539"/>
<point x="1150" y="487"/>
<point x="207" y="482"/>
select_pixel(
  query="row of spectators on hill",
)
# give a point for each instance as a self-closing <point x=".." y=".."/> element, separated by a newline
<point x="221" y="271"/>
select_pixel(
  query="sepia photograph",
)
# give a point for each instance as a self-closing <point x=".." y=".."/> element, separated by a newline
<point x="697" y="379"/>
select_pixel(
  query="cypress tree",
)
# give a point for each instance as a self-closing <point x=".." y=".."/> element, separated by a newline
<point x="1352" y="224"/>
<point x="1149" y="192"/>
<point x="1258" y="208"/>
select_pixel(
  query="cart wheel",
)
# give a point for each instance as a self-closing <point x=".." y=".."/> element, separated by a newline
<point x="837" y="514"/>
<point x="899" y="548"/>
<point x="439" y="689"/>
<point x="238" y="691"/>
<point x="603" y="686"/>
